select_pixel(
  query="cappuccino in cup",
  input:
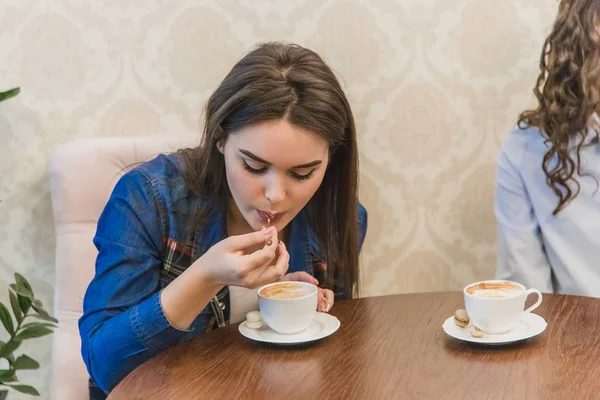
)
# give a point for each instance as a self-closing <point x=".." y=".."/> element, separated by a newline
<point x="288" y="307"/>
<point x="495" y="306"/>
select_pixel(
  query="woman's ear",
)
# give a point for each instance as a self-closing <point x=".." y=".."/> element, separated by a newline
<point x="220" y="147"/>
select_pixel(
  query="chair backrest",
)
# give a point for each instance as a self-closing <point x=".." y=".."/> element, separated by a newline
<point x="82" y="175"/>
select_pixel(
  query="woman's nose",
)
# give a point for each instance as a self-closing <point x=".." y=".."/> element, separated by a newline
<point x="275" y="191"/>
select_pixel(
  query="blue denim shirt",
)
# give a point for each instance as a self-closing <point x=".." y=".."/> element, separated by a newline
<point x="142" y="246"/>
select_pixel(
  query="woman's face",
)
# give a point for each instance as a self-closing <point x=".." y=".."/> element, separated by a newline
<point x="273" y="169"/>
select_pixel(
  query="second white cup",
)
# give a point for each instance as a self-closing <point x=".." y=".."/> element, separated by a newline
<point x="495" y="306"/>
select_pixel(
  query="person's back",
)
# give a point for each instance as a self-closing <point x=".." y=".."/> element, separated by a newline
<point x="548" y="177"/>
<point x="553" y="253"/>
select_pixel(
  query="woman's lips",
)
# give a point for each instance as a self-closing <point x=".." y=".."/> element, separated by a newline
<point x="267" y="217"/>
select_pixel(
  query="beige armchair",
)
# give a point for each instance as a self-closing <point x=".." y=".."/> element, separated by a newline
<point x="82" y="176"/>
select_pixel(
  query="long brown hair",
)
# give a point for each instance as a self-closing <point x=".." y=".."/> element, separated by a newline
<point x="567" y="91"/>
<point x="285" y="81"/>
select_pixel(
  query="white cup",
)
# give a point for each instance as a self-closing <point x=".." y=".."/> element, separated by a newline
<point x="497" y="315"/>
<point x="288" y="316"/>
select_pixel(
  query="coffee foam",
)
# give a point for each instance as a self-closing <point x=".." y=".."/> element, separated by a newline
<point x="495" y="290"/>
<point x="284" y="291"/>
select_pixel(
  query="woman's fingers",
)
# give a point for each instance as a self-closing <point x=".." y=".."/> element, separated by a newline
<point x="242" y="242"/>
<point x="274" y="273"/>
<point x="325" y="301"/>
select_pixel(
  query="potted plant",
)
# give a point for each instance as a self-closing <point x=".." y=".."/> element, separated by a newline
<point x="19" y="324"/>
<point x="20" y="327"/>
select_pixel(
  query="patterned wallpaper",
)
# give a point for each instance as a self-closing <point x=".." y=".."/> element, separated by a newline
<point x="435" y="85"/>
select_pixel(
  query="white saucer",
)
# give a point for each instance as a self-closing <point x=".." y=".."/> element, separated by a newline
<point x="528" y="326"/>
<point x="322" y="326"/>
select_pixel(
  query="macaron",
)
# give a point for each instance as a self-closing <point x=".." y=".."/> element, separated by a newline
<point x="253" y="320"/>
<point x="477" y="333"/>
<point x="461" y="318"/>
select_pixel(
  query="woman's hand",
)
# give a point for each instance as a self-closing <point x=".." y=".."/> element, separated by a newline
<point x="227" y="264"/>
<point x="325" y="296"/>
<point x="224" y="264"/>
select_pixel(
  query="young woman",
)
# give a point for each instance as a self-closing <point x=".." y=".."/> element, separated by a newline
<point x="272" y="189"/>
<point x="547" y="201"/>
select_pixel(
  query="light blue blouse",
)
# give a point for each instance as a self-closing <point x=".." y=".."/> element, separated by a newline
<point x="556" y="254"/>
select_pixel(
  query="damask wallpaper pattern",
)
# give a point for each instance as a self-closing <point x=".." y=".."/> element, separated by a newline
<point x="435" y="86"/>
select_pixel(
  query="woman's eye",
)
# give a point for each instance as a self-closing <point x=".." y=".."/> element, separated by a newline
<point x="303" y="177"/>
<point x="257" y="171"/>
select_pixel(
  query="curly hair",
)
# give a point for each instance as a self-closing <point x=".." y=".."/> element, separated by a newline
<point x="568" y="92"/>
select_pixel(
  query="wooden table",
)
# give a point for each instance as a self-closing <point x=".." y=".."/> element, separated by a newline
<point x="387" y="348"/>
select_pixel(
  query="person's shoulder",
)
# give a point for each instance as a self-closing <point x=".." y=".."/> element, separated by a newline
<point x="362" y="224"/>
<point x="144" y="182"/>
<point x="362" y="212"/>
<point x="162" y="179"/>
<point x="362" y="217"/>
<point x="519" y="137"/>
<point x="162" y="168"/>
<point x="520" y="141"/>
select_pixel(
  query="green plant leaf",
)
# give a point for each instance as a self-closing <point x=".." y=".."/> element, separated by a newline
<point x="46" y="324"/>
<point x="25" y="389"/>
<point x="25" y="303"/>
<point x="16" y="307"/>
<point x="21" y="281"/>
<point x="32" y="332"/>
<point x="25" y="362"/>
<point x="38" y="307"/>
<point x="6" y="319"/>
<point x="11" y="359"/>
<point x="43" y="315"/>
<point x="9" y="93"/>
<point x="8" y="375"/>
<point x="9" y="348"/>
<point x="25" y="298"/>
<point x="22" y="291"/>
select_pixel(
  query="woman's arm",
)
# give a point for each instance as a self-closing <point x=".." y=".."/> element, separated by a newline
<point x="124" y="322"/>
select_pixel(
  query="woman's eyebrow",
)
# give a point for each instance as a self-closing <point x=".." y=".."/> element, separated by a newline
<point x="263" y="161"/>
